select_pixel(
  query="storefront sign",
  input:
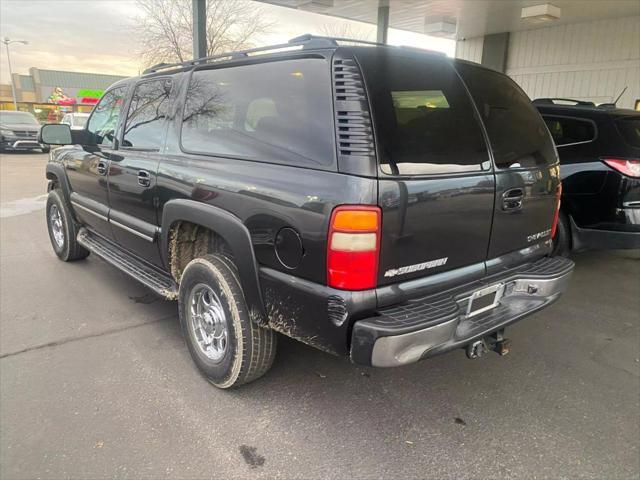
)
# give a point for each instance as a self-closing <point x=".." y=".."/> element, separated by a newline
<point x="71" y="96"/>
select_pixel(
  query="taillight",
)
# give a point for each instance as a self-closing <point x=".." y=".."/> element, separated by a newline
<point x="353" y="247"/>
<point x="556" y="214"/>
<point x="626" y="166"/>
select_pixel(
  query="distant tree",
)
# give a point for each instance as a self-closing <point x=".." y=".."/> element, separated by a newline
<point x="348" y="30"/>
<point x="165" y="28"/>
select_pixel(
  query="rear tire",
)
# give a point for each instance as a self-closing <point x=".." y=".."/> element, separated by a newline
<point x="63" y="231"/>
<point x="225" y="344"/>
<point x="562" y="239"/>
<point x="45" y="149"/>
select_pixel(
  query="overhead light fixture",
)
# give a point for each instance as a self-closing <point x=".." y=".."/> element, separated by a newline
<point x="314" y="5"/>
<point x="440" y="26"/>
<point x="540" y="13"/>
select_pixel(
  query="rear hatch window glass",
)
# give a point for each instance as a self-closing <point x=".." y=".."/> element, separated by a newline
<point x="517" y="133"/>
<point x="629" y="128"/>
<point x="425" y="121"/>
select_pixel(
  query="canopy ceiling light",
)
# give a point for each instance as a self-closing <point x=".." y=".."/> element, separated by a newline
<point x="440" y="26"/>
<point x="540" y="13"/>
<point x="314" y="5"/>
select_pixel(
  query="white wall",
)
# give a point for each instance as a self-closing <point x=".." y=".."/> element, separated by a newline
<point x="470" y="49"/>
<point x="586" y="61"/>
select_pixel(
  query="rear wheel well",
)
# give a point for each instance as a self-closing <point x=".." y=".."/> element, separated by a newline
<point x="189" y="240"/>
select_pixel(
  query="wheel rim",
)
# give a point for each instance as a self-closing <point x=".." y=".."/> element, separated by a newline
<point x="208" y="322"/>
<point x="55" y="221"/>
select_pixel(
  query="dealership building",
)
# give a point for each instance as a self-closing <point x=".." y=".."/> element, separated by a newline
<point x="52" y="93"/>
<point x="558" y="49"/>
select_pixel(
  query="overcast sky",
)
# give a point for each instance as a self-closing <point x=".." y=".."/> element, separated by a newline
<point x="96" y="36"/>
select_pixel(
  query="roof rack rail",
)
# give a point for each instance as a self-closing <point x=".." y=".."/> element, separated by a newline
<point x="306" y="41"/>
<point x="553" y="101"/>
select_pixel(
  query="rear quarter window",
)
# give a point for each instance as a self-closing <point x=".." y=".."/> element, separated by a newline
<point x="517" y="133"/>
<point x="570" y="131"/>
<point x="276" y="112"/>
<point x="629" y="128"/>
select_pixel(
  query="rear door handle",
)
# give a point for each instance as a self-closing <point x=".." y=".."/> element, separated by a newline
<point x="512" y="199"/>
<point x="103" y="167"/>
<point x="144" y="179"/>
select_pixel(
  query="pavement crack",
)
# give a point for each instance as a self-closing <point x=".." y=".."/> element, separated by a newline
<point x="64" y="341"/>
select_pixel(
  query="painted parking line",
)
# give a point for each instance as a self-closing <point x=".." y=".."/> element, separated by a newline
<point x="22" y="206"/>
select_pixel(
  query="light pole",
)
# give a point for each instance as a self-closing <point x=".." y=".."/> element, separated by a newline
<point x="6" y="42"/>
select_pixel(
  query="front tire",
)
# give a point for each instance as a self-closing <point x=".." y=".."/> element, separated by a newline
<point x="45" y="149"/>
<point x="63" y="231"/>
<point x="225" y="344"/>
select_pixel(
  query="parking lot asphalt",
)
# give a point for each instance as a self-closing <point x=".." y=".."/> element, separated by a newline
<point x="95" y="382"/>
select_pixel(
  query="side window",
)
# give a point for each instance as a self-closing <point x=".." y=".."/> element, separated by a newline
<point x="144" y="128"/>
<point x="517" y="134"/>
<point x="569" y="131"/>
<point x="278" y="112"/>
<point x="104" y="119"/>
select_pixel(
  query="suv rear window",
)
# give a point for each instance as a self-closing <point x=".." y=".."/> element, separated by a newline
<point x="277" y="112"/>
<point x="425" y="121"/>
<point x="570" y="131"/>
<point x="517" y="133"/>
<point x="629" y="128"/>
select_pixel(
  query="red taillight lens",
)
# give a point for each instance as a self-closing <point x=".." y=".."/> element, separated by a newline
<point x="556" y="214"/>
<point x="353" y="247"/>
<point x="626" y="166"/>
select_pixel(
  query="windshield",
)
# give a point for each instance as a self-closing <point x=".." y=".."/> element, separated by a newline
<point x="18" y="118"/>
<point x="80" y="121"/>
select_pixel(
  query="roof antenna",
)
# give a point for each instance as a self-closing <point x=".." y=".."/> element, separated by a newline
<point x="621" y="93"/>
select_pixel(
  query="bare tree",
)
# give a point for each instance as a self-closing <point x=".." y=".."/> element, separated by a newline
<point x="165" y="28"/>
<point x="348" y="30"/>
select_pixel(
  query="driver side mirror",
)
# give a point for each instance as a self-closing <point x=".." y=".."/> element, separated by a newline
<point x="55" y="134"/>
<point x="61" y="134"/>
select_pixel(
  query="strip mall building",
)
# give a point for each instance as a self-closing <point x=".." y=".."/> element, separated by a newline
<point x="49" y="94"/>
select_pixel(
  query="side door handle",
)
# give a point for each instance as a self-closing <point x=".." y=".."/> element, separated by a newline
<point x="144" y="179"/>
<point x="103" y="167"/>
<point x="512" y="199"/>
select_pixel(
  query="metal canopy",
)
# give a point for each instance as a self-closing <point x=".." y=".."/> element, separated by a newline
<point x="472" y="18"/>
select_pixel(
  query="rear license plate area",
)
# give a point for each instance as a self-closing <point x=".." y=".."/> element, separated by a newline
<point x="485" y="299"/>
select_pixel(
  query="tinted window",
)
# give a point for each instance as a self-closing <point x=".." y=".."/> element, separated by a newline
<point x="567" y="131"/>
<point x="424" y="118"/>
<point x="630" y="130"/>
<point x="145" y="122"/>
<point x="517" y="134"/>
<point x="277" y="112"/>
<point x="104" y="119"/>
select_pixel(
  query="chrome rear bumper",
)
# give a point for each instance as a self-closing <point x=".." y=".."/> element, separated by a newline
<point x="439" y="323"/>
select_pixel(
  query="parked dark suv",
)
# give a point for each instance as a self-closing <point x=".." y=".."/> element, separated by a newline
<point x="19" y="131"/>
<point x="372" y="201"/>
<point x="599" y="149"/>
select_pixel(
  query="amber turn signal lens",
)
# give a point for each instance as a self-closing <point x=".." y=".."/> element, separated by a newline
<point x="356" y="220"/>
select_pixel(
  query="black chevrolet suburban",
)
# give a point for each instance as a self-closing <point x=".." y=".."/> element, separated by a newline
<point x="377" y="202"/>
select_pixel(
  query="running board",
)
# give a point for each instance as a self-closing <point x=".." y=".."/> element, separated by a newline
<point x="153" y="278"/>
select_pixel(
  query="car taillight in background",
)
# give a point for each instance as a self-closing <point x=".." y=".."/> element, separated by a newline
<point x="626" y="166"/>
<point x="353" y="247"/>
<point x="556" y="215"/>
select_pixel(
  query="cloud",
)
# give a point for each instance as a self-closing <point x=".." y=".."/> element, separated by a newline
<point x="97" y="35"/>
<point x="90" y="36"/>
